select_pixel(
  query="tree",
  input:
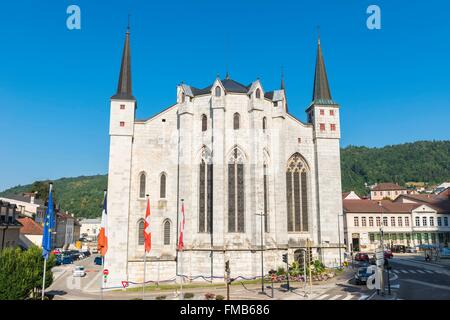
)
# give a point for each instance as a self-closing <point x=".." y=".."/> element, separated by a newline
<point x="21" y="273"/>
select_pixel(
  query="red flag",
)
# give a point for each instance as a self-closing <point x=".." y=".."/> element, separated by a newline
<point x="102" y="242"/>
<point x="180" y="240"/>
<point x="147" y="230"/>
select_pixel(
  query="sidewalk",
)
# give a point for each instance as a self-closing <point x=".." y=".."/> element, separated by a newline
<point x="238" y="291"/>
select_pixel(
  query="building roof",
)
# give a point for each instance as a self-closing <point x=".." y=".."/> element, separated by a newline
<point x="321" y="92"/>
<point x="387" y="187"/>
<point x="230" y="85"/>
<point x="124" y="88"/>
<point x="91" y="221"/>
<point x="25" y="197"/>
<point x="31" y="227"/>
<point x="440" y="203"/>
<point x="373" y="206"/>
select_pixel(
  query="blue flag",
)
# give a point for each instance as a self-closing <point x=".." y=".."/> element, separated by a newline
<point x="49" y="226"/>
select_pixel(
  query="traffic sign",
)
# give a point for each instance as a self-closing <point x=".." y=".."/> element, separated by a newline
<point x="106" y="272"/>
<point x="125" y="284"/>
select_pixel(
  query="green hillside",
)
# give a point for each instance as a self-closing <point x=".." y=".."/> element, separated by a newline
<point x="423" y="161"/>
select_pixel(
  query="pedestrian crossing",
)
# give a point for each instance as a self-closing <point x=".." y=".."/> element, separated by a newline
<point x="416" y="271"/>
<point x="342" y="296"/>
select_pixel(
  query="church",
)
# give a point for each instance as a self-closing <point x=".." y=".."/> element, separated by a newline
<point x="253" y="180"/>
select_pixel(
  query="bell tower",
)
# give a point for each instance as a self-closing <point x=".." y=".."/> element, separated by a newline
<point x="323" y="114"/>
<point x="121" y="132"/>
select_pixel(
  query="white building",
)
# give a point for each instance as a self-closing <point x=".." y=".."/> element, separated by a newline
<point x="90" y="228"/>
<point x="27" y="205"/>
<point x="229" y="151"/>
<point x="408" y="221"/>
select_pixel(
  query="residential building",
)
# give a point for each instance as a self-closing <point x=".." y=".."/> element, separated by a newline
<point x="27" y="205"/>
<point x="350" y="196"/>
<point x="30" y="233"/>
<point x="67" y="230"/>
<point x="411" y="220"/>
<point x="9" y="225"/>
<point x="387" y="190"/>
<point x="90" y="228"/>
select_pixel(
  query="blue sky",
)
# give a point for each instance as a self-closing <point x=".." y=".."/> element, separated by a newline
<point x="392" y="84"/>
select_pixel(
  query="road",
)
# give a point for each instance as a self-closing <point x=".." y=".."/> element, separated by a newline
<point x="419" y="280"/>
<point x="67" y="287"/>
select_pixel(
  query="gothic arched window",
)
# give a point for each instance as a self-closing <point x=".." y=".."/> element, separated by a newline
<point x="297" y="194"/>
<point x="236" y="120"/>
<point x="141" y="233"/>
<point x="162" y="186"/>
<point x="167" y="232"/>
<point x="142" y="185"/>
<point x="205" y="193"/>
<point x="264" y="124"/>
<point x="236" y="191"/>
<point x="218" y="91"/>
<point x="183" y="97"/>
<point x="258" y="93"/>
<point x="204" y="122"/>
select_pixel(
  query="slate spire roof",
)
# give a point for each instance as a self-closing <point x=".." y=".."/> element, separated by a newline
<point x="321" y="93"/>
<point x="124" y="91"/>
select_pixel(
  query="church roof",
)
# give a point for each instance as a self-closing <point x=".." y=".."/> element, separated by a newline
<point x="321" y="92"/>
<point x="230" y="85"/>
<point x="124" y="88"/>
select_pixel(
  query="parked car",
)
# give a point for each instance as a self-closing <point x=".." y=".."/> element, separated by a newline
<point x="399" y="248"/>
<point x="98" y="261"/>
<point x="79" y="271"/>
<point x="361" y="256"/>
<point x="86" y="253"/>
<point x="66" y="260"/>
<point x="411" y="250"/>
<point x="362" y="275"/>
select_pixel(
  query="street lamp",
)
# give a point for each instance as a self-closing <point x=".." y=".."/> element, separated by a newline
<point x="382" y="247"/>
<point x="262" y="252"/>
<point x="339" y="235"/>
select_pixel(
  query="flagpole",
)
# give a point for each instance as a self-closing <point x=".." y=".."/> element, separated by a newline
<point x="101" y="278"/>
<point x="145" y="247"/>
<point x="48" y="223"/>
<point x="43" y="279"/>
<point x="145" y="267"/>
<point x="102" y="250"/>
<point x="181" y="251"/>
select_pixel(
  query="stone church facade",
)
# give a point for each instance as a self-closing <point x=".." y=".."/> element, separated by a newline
<point x="239" y="162"/>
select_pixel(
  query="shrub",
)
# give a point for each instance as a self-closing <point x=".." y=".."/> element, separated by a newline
<point x="21" y="273"/>
<point x="160" y="297"/>
<point x="220" y="297"/>
<point x="281" y="271"/>
<point x="188" y="295"/>
<point x="209" y="296"/>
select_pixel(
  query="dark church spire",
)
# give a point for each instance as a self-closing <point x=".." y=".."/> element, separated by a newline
<point x="321" y="92"/>
<point x="124" y="90"/>
<point x="282" y="87"/>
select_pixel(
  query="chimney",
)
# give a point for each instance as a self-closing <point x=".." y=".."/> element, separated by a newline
<point x="32" y="197"/>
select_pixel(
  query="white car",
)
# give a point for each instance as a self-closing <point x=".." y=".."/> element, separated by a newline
<point x="79" y="271"/>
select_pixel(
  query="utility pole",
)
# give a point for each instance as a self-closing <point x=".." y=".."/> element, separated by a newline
<point x="285" y="260"/>
<point x="382" y="247"/>
<point x="227" y="276"/>
<point x="339" y="235"/>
